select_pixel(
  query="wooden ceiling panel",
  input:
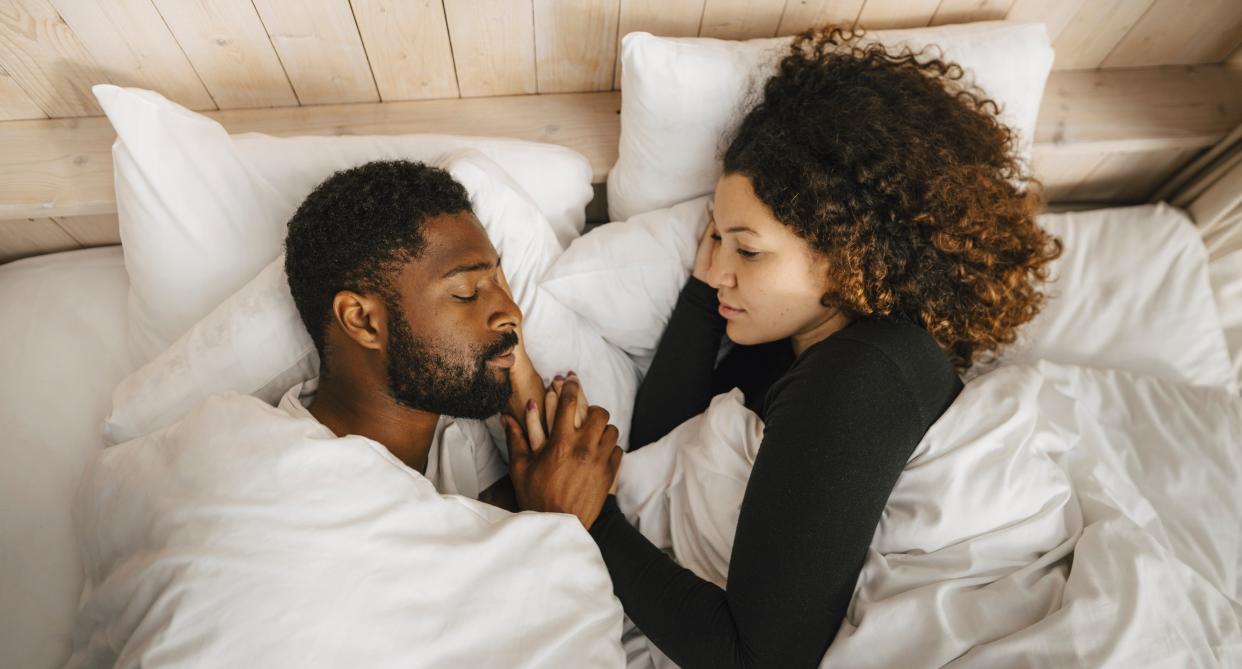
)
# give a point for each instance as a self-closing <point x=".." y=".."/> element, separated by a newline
<point x="320" y="50"/>
<point x="43" y="56"/>
<point x="493" y="46"/>
<point x="226" y="42"/>
<point x="741" y="19"/>
<point x="575" y="44"/>
<point x="407" y="43"/>
<point x="130" y="41"/>
<point x="1180" y="32"/>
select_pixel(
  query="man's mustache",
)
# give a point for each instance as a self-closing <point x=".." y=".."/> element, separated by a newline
<point x="503" y="343"/>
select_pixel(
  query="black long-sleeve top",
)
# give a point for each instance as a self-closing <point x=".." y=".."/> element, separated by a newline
<point x="841" y="420"/>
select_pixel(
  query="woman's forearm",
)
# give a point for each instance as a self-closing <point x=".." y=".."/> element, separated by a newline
<point x="678" y="385"/>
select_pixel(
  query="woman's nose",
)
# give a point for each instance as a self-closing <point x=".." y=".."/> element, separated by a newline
<point x="720" y="274"/>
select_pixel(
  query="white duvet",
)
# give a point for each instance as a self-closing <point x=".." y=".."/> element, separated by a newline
<point x="1055" y="516"/>
<point x="247" y="535"/>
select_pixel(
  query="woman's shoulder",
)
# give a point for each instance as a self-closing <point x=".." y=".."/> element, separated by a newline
<point x="884" y="355"/>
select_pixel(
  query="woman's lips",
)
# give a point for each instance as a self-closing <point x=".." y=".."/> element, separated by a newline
<point x="730" y="312"/>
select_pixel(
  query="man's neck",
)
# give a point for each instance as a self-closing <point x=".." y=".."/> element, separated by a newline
<point x="347" y="408"/>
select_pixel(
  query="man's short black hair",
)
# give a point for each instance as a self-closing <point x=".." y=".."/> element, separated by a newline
<point x="357" y="228"/>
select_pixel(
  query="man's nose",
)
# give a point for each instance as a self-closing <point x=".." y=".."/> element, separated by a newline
<point x="506" y="315"/>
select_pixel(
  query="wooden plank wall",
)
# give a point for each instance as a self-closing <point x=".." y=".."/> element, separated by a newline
<point x="238" y="54"/>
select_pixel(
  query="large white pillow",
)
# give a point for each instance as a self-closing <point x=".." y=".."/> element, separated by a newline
<point x="202" y="212"/>
<point x="1131" y="290"/>
<point x="684" y="95"/>
<point x="254" y="343"/>
<point x="624" y="277"/>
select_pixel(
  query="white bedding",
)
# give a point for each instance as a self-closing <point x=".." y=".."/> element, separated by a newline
<point x="1136" y="477"/>
<point x="247" y="535"/>
<point x="62" y="322"/>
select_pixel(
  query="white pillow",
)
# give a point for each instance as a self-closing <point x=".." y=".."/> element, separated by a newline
<point x="255" y="343"/>
<point x="684" y="95"/>
<point x="624" y="278"/>
<point x="202" y="212"/>
<point x="1131" y="290"/>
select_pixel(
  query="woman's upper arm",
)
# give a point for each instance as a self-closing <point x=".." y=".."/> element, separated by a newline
<point x="839" y="430"/>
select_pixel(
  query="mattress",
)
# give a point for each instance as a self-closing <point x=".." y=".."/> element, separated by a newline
<point x="62" y="321"/>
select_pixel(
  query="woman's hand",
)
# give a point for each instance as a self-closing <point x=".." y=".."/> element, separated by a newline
<point x="524" y="379"/>
<point x="576" y="465"/>
<point x="707" y="248"/>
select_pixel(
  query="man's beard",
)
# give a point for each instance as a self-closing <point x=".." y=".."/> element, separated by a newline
<point x="436" y="380"/>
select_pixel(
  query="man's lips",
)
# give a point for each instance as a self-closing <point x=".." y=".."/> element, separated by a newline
<point x="505" y="360"/>
<point x="729" y="311"/>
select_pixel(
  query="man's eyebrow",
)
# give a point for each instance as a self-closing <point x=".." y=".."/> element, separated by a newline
<point x="472" y="267"/>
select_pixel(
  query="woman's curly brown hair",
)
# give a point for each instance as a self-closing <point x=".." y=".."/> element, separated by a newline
<point x="897" y="170"/>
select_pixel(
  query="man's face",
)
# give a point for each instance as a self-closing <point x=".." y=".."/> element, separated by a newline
<point x="451" y="335"/>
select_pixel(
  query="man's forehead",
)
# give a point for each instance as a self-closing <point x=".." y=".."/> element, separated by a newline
<point x="452" y="241"/>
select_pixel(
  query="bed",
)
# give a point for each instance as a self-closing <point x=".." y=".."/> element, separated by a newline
<point x="66" y="320"/>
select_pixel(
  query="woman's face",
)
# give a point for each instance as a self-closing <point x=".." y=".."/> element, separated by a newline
<point x="768" y="279"/>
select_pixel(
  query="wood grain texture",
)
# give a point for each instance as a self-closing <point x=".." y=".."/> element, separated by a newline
<point x="658" y="17"/>
<point x="63" y="167"/>
<point x="1097" y="28"/>
<point x="803" y="14"/>
<point x="226" y="42"/>
<point x="967" y="11"/>
<point x="97" y="230"/>
<point x="14" y="103"/>
<point x="319" y="47"/>
<point x="129" y="40"/>
<point x="493" y="46"/>
<point x="32" y="236"/>
<point x="1180" y="32"/>
<point x="883" y="14"/>
<point x="407" y="43"/>
<point x="1106" y="111"/>
<point x="575" y="44"/>
<point x="43" y="56"/>
<point x="741" y="19"/>
<point x="1060" y="173"/>
<point x="1054" y="14"/>
<point x="1130" y="177"/>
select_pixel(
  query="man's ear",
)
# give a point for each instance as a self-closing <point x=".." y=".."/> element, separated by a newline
<point x="363" y="318"/>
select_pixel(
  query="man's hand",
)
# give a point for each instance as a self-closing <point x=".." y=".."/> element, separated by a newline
<point x="574" y="469"/>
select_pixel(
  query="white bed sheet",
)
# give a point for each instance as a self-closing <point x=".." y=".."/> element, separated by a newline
<point x="1224" y="246"/>
<point x="62" y="322"/>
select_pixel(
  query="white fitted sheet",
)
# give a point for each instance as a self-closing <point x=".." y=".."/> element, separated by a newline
<point x="62" y="324"/>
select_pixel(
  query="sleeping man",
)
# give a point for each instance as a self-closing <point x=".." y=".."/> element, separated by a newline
<point x="337" y="528"/>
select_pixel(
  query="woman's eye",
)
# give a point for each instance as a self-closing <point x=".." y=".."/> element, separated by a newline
<point x="747" y="254"/>
<point x="715" y="237"/>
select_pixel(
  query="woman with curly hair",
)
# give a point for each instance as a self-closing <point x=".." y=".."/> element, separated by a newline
<point x="870" y="239"/>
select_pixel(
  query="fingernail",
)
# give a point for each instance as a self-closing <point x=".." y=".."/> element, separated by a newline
<point x="558" y="377"/>
<point x="530" y="405"/>
<point x="573" y="374"/>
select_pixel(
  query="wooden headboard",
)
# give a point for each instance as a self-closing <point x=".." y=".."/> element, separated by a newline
<point x="1140" y="89"/>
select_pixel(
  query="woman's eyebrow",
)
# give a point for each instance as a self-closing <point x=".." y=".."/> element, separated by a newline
<point x="741" y="228"/>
